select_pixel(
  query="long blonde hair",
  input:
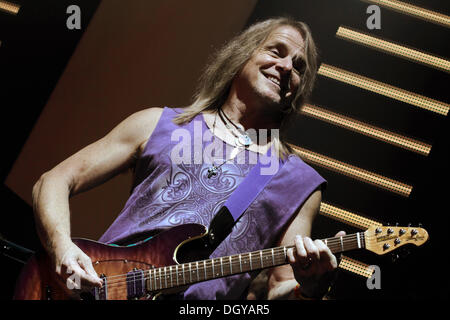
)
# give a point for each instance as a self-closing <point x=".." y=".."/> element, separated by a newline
<point x="215" y="82"/>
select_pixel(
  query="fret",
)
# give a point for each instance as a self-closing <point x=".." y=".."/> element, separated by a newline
<point x="170" y="276"/>
<point x="184" y="274"/>
<point x="160" y="279"/>
<point x="154" y="272"/>
<point x="326" y="242"/>
<point x="342" y="244"/>
<point x="285" y="253"/>
<point x="221" y="266"/>
<point x="273" y="258"/>
<point x="165" y="278"/>
<point x="213" y="272"/>
<point x="190" y="273"/>
<point x="231" y="267"/>
<point x="245" y="268"/>
<point x="266" y="257"/>
<point x="240" y="262"/>
<point x="174" y="282"/>
<point x="250" y="259"/>
<point x="261" y="257"/>
<point x="204" y="267"/>
<point x="196" y="266"/>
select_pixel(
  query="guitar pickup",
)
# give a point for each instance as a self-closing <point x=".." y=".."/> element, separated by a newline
<point x="135" y="284"/>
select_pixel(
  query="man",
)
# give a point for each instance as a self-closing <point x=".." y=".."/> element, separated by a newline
<point x="258" y="81"/>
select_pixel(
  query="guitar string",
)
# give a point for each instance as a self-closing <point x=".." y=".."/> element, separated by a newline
<point x="330" y="242"/>
<point x="266" y="253"/>
<point x="168" y="277"/>
<point x="200" y="267"/>
<point x="166" y="280"/>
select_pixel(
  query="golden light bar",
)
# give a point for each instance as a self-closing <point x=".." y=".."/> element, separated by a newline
<point x="9" y="7"/>
<point x="384" y="89"/>
<point x="346" y="217"/>
<point x="414" y="11"/>
<point x="355" y="266"/>
<point x="374" y="179"/>
<point x="393" y="48"/>
<point x="366" y="129"/>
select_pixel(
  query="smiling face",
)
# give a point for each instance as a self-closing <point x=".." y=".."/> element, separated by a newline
<point x="272" y="75"/>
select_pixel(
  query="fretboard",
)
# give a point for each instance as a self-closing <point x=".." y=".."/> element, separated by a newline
<point x="198" y="271"/>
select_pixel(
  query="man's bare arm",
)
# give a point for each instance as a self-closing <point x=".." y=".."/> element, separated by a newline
<point x="282" y="280"/>
<point x="89" y="167"/>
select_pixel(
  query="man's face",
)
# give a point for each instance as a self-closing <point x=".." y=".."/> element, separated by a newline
<point x="272" y="75"/>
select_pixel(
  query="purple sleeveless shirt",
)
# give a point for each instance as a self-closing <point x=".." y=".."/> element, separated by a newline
<point x="167" y="193"/>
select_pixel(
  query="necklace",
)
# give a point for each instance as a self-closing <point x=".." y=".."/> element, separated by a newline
<point x="242" y="139"/>
<point x="214" y="170"/>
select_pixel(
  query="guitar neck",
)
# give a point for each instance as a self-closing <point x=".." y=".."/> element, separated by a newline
<point x="198" y="271"/>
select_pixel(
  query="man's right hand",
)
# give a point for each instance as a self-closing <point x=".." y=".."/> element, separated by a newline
<point x="75" y="267"/>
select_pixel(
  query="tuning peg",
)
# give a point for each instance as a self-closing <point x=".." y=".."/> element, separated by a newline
<point x="409" y="224"/>
<point x="396" y="224"/>
<point x="420" y="225"/>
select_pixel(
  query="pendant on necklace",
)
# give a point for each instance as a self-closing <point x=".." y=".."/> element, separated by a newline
<point x="244" y="140"/>
<point x="212" y="171"/>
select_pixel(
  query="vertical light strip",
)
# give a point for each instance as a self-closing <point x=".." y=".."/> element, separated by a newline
<point x="366" y="129"/>
<point x="9" y="7"/>
<point x="393" y="48"/>
<point x="414" y="11"/>
<point x="355" y="266"/>
<point x="354" y="172"/>
<point x="346" y="217"/>
<point x="384" y="89"/>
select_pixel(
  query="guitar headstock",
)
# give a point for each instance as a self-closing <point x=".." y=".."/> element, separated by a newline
<point x="384" y="239"/>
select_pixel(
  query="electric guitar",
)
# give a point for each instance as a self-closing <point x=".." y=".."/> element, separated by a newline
<point x="176" y="258"/>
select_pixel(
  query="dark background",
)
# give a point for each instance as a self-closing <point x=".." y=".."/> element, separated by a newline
<point x="38" y="49"/>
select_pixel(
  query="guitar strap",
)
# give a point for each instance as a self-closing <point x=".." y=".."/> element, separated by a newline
<point x="241" y="198"/>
